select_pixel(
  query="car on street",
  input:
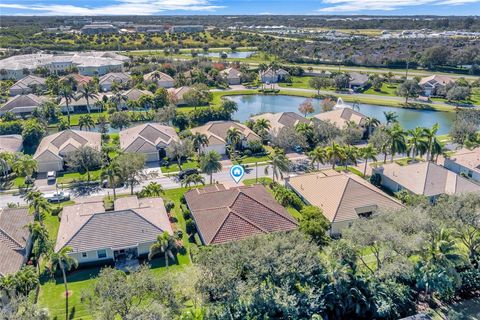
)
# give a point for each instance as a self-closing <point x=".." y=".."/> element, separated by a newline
<point x="57" y="196"/>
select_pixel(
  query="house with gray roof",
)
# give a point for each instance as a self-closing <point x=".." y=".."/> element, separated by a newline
<point x="273" y="76"/>
<point x="465" y="162"/>
<point x="224" y="215"/>
<point x="357" y="80"/>
<point x="424" y="178"/>
<point x="105" y="82"/>
<point x="232" y="75"/>
<point x="27" y="85"/>
<point x="15" y="239"/>
<point x="280" y="120"/>
<point x="104" y="237"/>
<point x="23" y="104"/>
<point x="161" y="79"/>
<point x="151" y="139"/>
<point x="11" y="143"/>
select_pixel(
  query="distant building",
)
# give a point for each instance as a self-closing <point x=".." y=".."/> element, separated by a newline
<point x="11" y="143"/>
<point x="78" y="21"/>
<point x="357" y="80"/>
<point x="465" y="162"/>
<point x="150" y="28"/>
<point x="27" y="85"/>
<point x="23" y="104"/>
<point x="273" y="76"/>
<point x="430" y="85"/>
<point x="177" y="94"/>
<point x="186" y="29"/>
<point x="232" y="75"/>
<point x="161" y="79"/>
<point x="91" y="29"/>
<point x="105" y="82"/>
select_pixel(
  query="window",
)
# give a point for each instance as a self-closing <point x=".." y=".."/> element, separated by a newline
<point x="84" y="254"/>
<point x="101" y="254"/>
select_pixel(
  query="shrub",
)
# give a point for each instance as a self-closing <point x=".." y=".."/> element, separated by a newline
<point x="169" y="206"/>
<point x="190" y="226"/>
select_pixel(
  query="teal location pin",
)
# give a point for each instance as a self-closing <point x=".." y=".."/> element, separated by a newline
<point x="237" y="173"/>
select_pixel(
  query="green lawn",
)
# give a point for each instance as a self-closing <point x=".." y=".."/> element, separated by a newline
<point x="173" y="167"/>
<point x="386" y="90"/>
<point x="70" y="177"/>
<point x="297" y="82"/>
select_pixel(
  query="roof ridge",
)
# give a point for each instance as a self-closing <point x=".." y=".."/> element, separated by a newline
<point x="426" y="177"/>
<point x="143" y="218"/>
<point x="376" y="190"/>
<point x="220" y="225"/>
<point x="76" y="232"/>
<point x="247" y="220"/>
<point x="10" y="238"/>
<point x="341" y="198"/>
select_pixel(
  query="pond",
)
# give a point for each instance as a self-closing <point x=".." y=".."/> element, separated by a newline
<point x="249" y="105"/>
<point x="232" y="55"/>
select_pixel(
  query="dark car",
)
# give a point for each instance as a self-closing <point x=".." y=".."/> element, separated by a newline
<point x="187" y="172"/>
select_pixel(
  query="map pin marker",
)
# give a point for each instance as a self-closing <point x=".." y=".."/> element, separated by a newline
<point x="237" y="173"/>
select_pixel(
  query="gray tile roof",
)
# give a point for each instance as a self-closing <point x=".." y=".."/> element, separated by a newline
<point x="11" y="143"/>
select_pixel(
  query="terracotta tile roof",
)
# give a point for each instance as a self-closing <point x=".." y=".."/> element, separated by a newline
<point x="13" y="238"/>
<point x="224" y="215"/>
<point x="80" y="79"/>
<point x="341" y="196"/>
<point x="216" y="131"/>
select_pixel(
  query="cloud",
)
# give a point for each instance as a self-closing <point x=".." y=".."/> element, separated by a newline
<point x="119" y="7"/>
<point x="383" y="5"/>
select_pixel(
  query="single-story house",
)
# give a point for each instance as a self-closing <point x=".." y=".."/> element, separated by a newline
<point x="177" y="94"/>
<point x="80" y="80"/>
<point x="431" y="84"/>
<point x="11" y="143"/>
<point x="216" y="132"/>
<point x="357" y="80"/>
<point x="342" y="116"/>
<point x="232" y="75"/>
<point x="224" y="215"/>
<point x="465" y="162"/>
<point x="343" y="197"/>
<point x="53" y="149"/>
<point x="23" y="104"/>
<point x="15" y="239"/>
<point x="105" y="82"/>
<point x="280" y="120"/>
<point x="273" y="76"/>
<point x="151" y="139"/>
<point x="162" y="80"/>
<point x="28" y="85"/>
<point x="424" y="178"/>
<point x="104" y="237"/>
<point x="79" y="103"/>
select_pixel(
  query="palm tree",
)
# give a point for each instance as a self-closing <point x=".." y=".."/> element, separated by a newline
<point x="334" y="153"/>
<point x="42" y="246"/>
<point x="233" y="137"/>
<point x="368" y="152"/>
<point x="318" y="155"/>
<point x="200" y="140"/>
<point x="210" y="163"/>
<point x="351" y="153"/>
<point x="390" y="117"/>
<point x="430" y="134"/>
<point x="438" y="148"/>
<point x="117" y="99"/>
<point x="370" y="124"/>
<point x="166" y="244"/>
<point x="88" y="92"/>
<point x="66" y="92"/>
<point x="65" y="262"/>
<point x="416" y="141"/>
<point x="37" y="203"/>
<point x="279" y="163"/>
<point x="7" y="160"/>
<point x="153" y="189"/>
<point x="111" y="173"/>
<point x="261" y="126"/>
<point x="86" y="121"/>
<point x="24" y="165"/>
<point x="396" y="140"/>
<point x="192" y="178"/>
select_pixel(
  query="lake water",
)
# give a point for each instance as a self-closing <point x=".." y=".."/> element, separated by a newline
<point x="232" y="55"/>
<point x="249" y="105"/>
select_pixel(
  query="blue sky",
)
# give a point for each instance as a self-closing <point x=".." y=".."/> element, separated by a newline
<point x="307" y="7"/>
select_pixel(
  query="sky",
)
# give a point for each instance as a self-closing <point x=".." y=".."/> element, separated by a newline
<point x="232" y="7"/>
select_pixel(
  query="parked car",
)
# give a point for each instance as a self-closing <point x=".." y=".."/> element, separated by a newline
<point x="57" y="197"/>
<point x="51" y="176"/>
<point x="187" y="172"/>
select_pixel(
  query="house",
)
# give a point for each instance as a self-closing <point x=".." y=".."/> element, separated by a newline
<point x="105" y="82"/>
<point x="79" y="103"/>
<point x="53" y="149"/>
<point x="23" y="104"/>
<point x="465" y="162"/>
<point x="341" y="117"/>
<point x="29" y="84"/>
<point x="11" y="143"/>
<point x="15" y="239"/>
<point x="99" y="237"/>
<point x="430" y="85"/>
<point x="177" y="94"/>
<point x="224" y="215"/>
<point x="151" y="139"/>
<point x="424" y="178"/>
<point x="216" y="132"/>
<point x="92" y="29"/>
<point x="343" y="197"/>
<point x="134" y="94"/>
<point x="161" y="79"/>
<point x="280" y="120"/>
<point x="357" y="80"/>
<point x="232" y="75"/>
<point x="80" y="80"/>
<point x="273" y="76"/>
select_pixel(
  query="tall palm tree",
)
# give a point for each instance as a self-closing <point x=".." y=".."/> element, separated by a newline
<point x="318" y="156"/>
<point x="86" y="121"/>
<point x="7" y="160"/>
<point x="261" y="125"/>
<point x="368" y="153"/>
<point x="37" y="203"/>
<point x="111" y="173"/>
<point x="233" y="137"/>
<point x="334" y="153"/>
<point x="24" y="165"/>
<point x="390" y="117"/>
<point x="416" y="142"/>
<point x="66" y="92"/>
<point x="153" y="189"/>
<point x="88" y="92"/>
<point x="65" y="262"/>
<point x="430" y="134"/>
<point x="200" y="140"/>
<point x="165" y="244"/>
<point x="117" y="99"/>
<point x="371" y="123"/>
<point x="42" y="245"/>
<point x="438" y="148"/>
<point x="210" y="163"/>
<point x="351" y="153"/>
<point x="279" y="163"/>
<point x="195" y="179"/>
<point x="396" y="140"/>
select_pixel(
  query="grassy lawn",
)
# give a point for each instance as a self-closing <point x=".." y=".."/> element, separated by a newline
<point x="297" y="82"/>
<point x="70" y="177"/>
<point x="386" y="90"/>
<point x="173" y="167"/>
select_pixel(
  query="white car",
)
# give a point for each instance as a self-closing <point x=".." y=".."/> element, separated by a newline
<point x="57" y="197"/>
<point x="51" y="175"/>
